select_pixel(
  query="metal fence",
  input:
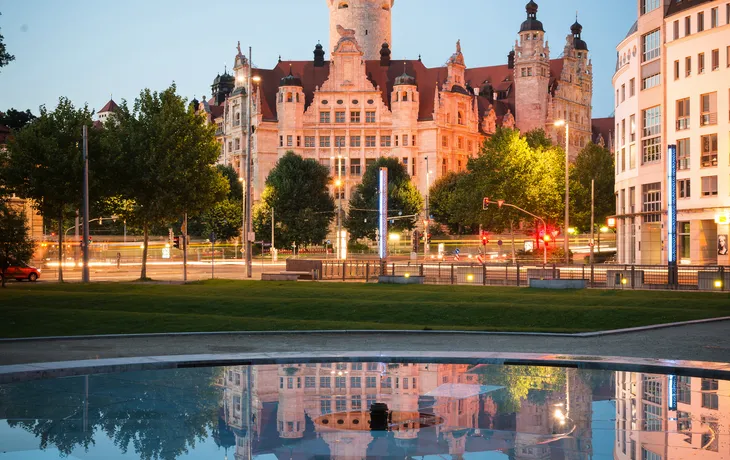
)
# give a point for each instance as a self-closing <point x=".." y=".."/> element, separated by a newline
<point x="684" y="277"/>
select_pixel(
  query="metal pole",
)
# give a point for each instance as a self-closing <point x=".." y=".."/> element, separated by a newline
<point x="426" y="243"/>
<point x="272" y="234"/>
<point x="185" y="246"/>
<point x="85" y="269"/>
<point x="593" y="212"/>
<point x="76" y="236"/>
<point x="566" y="242"/>
<point x="383" y="217"/>
<point x="212" y="259"/>
<point x="340" y="252"/>
<point x="249" y="273"/>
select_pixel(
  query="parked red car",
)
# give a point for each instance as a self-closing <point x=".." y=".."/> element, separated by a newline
<point x="23" y="272"/>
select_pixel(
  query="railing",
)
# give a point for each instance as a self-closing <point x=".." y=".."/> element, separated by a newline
<point x="708" y="119"/>
<point x="605" y="276"/>
<point x="683" y="123"/>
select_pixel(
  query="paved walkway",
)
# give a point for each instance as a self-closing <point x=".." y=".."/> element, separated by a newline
<point x="700" y="342"/>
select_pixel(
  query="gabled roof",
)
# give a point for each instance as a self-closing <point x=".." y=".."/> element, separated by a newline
<point x="110" y="106"/>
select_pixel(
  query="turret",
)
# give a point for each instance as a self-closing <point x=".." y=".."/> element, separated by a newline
<point x="531" y="73"/>
<point x="370" y="19"/>
<point x="290" y="108"/>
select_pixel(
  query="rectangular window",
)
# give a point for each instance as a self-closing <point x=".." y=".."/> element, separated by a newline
<point x="700" y="63"/>
<point x="623" y="132"/>
<point x="709" y="150"/>
<point x="340" y="404"/>
<point x="238" y="143"/>
<point x="651" y="145"/>
<point x="324" y="141"/>
<point x="727" y="56"/>
<point x="289" y="141"/>
<point x="309" y="141"/>
<point x="632" y="87"/>
<point x="325" y="382"/>
<point x="355" y="169"/>
<point x="309" y="382"/>
<point x="652" y="201"/>
<point x="386" y="382"/>
<point x="652" y="417"/>
<point x="354" y="141"/>
<point x="385" y="141"/>
<point x="683" y="154"/>
<point x="709" y="186"/>
<point x="714" y="17"/>
<point x="324" y="117"/>
<point x="340" y="382"/>
<point x="623" y="93"/>
<point x="700" y="21"/>
<point x="355" y="117"/>
<point x="369" y="117"/>
<point x="709" y="400"/>
<point x="649" y="455"/>
<point x="650" y="46"/>
<point x="371" y="382"/>
<point x="708" y="109"/>
<point x="648" y="6"/>
<point x="299" y="141"/>
<point x="339" y="117"/>
<point x="340" y="141"/>
<point x="715" y="60"/>
<point x="413" y="140"/>
<point x="687" y="26"/>
<point x="682" y="114"/>
<point x="356" y="402"/>
<point x="355" y="382"/>
<point x="651" y="81"/>
<point x="405" y="140"/>
<point x="325" y="406"/>
<point x="676" y="70"/>
<point x="632" y="128"/>
<point x="684" y="384"/>
<point x="683" y="188"/>
<point x="397" y="140"/>
<point x="281" y="141"/>
<point x="676" y="30"/>
<point x="688" y="66"/>
<point x="444" y="141"/>
<point x="370" y="141"/>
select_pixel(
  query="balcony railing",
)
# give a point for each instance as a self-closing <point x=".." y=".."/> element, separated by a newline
<point x="708" y="119"/>
<point x="682" y="123"/>
<point x="709" y="160"/>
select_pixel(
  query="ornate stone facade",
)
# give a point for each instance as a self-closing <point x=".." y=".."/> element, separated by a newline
<point x="360" y="105"/>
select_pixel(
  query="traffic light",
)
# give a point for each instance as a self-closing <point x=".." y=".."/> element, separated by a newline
<point x="428" y="238"/>
<point x="485" y="204"/>
<point x="176" y="242"/>
<point x="546" y="239"/>
<point x="416" y="241"/>
<point x="485" y="238"/>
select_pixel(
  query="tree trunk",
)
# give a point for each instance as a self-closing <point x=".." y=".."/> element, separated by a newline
<point x="60" y="246"/>
<point x="512" y="233"/>
<point x="4" y="277"/>
<point x="143" y="276"/>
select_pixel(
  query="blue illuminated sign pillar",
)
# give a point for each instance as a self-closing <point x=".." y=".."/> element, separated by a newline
<point x="673" y="274"/>
<point x="383" y="213"/>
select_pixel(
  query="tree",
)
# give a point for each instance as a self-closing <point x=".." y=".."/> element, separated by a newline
<point x="5" y="57"/>
<point x="224" y="219"/>
<point x="44" y="163"/>
<point x="235" y="186"/>
<point x="15" y="243"/>
<point x="445" y="202"/>
<point x="16" y="119"/>
<point x="403" y="200"/>
<point x="297" y="190"/>
<point x="161" y="157"/>
<point x="593" y="162"/>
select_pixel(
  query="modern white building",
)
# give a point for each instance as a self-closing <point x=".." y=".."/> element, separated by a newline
<point x="672" y="87"/>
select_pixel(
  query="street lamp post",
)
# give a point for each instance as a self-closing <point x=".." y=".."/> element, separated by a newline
<point x="566" y="242"/>
<point x="426" y="244"/>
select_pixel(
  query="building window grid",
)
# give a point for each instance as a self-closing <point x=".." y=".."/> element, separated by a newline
<point x="708" y="109"/>
<point x="339" y="117"/>
<point x="700" y="21"/>
<point x="355" y="117"/>
<point x="715" y="60"/>
<point x="652" y="202"/>
<point x="683" y="154"/>
<point x="700" y="63"/>
<point x="709" y="186"/>
<point x="324" y="141"/>
<point x="684" y="188"/>
<point x="651" y="145"/>
<point x="355" y="141"/>
<point x="324" y="117"/>
<point x="648" y="6"/>
<point x="683" y="111"/>
<point x="385" y="141"/>
<point x="369" y="117"/>
<point x="651" y="81"/>
<point x="709" y="150"/>
<point x="355" y="168"/>
<point x="651" y="45"/>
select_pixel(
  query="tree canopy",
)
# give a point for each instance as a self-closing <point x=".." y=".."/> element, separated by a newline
<point x="16" y="245"/>
<point x="44" y="162"/>
<point x="161" y="157"/>
<point x="593" y="162"/>
<point x="5" y="57"/>
<point x="403" y="200"/>
<point x="16" y="119"/>
<point x="297" y="190"/>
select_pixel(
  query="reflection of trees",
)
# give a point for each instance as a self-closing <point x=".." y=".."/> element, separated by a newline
<point x="160" y="414"/>
<point x="521" y="382"/>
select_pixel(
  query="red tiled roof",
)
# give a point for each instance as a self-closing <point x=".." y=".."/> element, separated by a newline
<point x="500" y="77"/>
<point x="216" y="111"/>
<point x="110" y="106"/>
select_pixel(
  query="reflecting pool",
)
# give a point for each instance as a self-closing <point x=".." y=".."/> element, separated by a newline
<point x="358" y="410"/>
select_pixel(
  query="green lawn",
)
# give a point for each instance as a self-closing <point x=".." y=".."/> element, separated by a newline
<point x="104" y="308"/>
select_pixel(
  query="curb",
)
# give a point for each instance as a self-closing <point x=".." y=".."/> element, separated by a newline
<point x="371" y="332"/>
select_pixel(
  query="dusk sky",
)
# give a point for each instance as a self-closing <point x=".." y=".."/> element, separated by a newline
<point x="88" y="50"/>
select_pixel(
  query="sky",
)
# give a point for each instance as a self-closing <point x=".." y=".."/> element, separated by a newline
<point x="91" y="50"/>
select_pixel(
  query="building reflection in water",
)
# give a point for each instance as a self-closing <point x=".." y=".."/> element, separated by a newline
<point x="322" y="410"/>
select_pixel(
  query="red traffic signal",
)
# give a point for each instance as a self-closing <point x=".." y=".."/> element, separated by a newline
<point x="176" y="242"/>
<point x="485" y="204"/>
<point x="485" y="238"/>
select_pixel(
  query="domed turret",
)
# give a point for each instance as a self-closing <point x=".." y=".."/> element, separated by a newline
<point x="291" y="80"/>
<point x="405" y="79"/>
<point x="318" y="55"/>
<point x="385" y="55"/>
<point x="531" y="24"/>
<point x="576" y="29"/>
<point x="222" y="86"/>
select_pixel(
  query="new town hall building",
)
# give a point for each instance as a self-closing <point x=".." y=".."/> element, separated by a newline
<point x="360" y="104"/>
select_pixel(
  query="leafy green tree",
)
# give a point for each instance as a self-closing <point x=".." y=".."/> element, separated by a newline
<point x="161" y="157"/>
<point x="403" y="200"/>
<point x="446" y="203"/>
<point x="235" y="186"/>
<point x="592" y="163"/>
<point x="44" y="163"/>
<point x="297" y="190"/>
<point x="224" y="219"/>
<point x="538" y="138"/>
<point x="16" y="245"/>
<point x="520" y="381"/>
<point x="16" y="119"/>
<point x="5" y="57"/>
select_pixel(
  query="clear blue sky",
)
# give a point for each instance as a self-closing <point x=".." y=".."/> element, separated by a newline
<point x="88" y="50"/>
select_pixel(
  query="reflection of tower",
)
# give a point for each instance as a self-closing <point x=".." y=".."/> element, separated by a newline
<point x="534" y="424"/>
<point x="370" y="19"/>
<point x="290" y="413"/>
<point x="580" y="413"/>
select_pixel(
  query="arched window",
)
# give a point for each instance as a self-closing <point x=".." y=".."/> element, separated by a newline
<point x="289" y="97"/>
<point x="343" y="5"/>
<point x="405" y="96"/>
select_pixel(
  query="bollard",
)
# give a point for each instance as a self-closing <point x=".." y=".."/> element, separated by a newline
<point x="452" y="273"/>
<point x="593" y="281"/>
<point x="367" y="272"/>
<point x="344" y="270"/>
<point x="392" y="269"/>
<point x="554" y="272"/>
<point x="420" y="270"/>
<point x="633" y="278"/>
<point x="484" y="275"/>
<point x="518" y="274"/>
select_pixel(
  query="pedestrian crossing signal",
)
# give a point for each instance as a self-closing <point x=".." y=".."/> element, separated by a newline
<point x="485" y="204"/>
